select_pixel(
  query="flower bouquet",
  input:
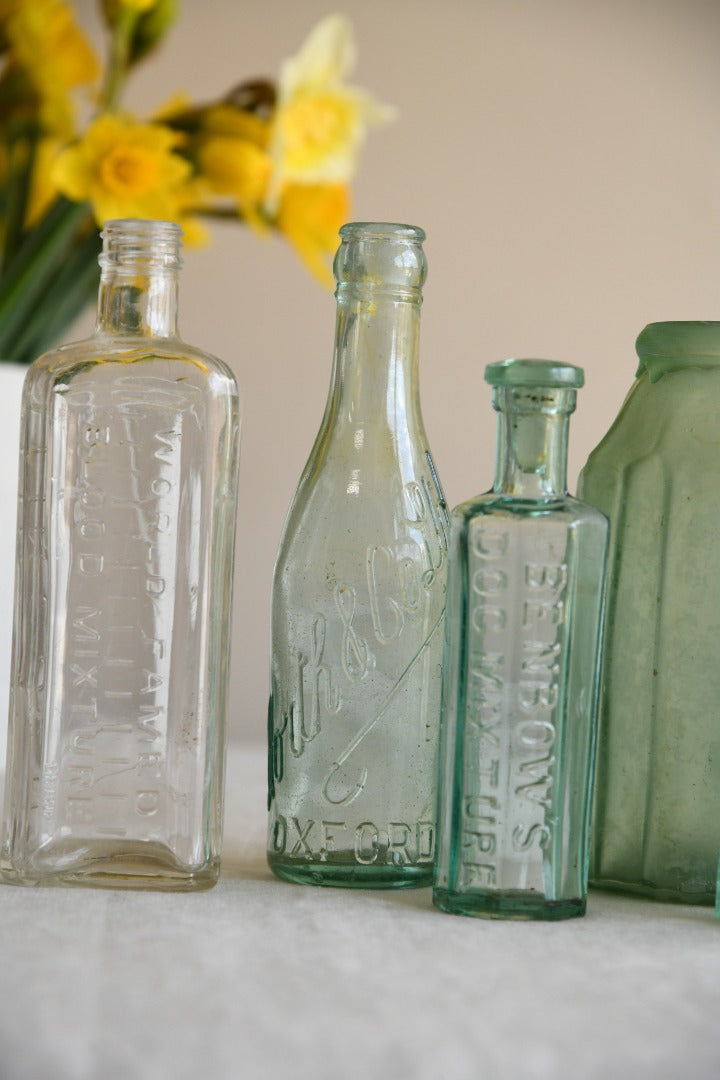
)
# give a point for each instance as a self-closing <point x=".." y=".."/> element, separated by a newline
<point x="272" y="155"/>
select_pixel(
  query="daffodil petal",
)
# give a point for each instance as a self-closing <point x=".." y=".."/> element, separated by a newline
<point x="320" y="122"/>
<point x="126" y="169"/>
<point x="56" y="55"/>
<point x="326" y="56"/>
<point x="310" y="216"/>
<point x="235" y="167"/>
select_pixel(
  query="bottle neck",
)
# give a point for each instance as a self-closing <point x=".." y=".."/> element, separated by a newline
<point x="139" y="303"/>
<point x="375" y="372"/>
<point x="139" y="281"/>
<point x="532" y="441"/>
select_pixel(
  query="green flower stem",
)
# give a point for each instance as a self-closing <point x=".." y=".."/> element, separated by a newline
<point x="119" y="57"/>
<point x="25" y="281"/>
<point x="21" y="153"/>
<point x="74" y="287"/>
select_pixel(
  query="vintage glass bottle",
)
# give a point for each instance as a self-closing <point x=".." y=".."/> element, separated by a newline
<point x="129" y="446"/>
<point x="656" y="474"/>
<point x="359" y="597"/>
<point x="520" y="671"/>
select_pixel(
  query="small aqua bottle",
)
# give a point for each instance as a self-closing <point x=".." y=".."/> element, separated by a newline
<point x="520" y="675"/>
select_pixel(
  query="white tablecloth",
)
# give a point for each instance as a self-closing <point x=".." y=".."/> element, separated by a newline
<point x="260" y="979"/>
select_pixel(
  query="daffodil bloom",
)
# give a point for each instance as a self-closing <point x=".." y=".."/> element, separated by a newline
<point x="310" y="216"/>
<point x="126" y="169"/>
<point x="236" y="168"/>
<point x="47" y="43"/>
<point x="321" y="122"/>
<point x="273" y="155"/>
<point x="219" y="118"/>
<point x="225" y="119"/>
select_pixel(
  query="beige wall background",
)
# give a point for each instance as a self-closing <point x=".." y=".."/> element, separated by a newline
<point x="564" y="159"/>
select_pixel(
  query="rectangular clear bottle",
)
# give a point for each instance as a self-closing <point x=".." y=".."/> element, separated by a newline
<point x="124" y="576"/>
<point x="523" y="630"/>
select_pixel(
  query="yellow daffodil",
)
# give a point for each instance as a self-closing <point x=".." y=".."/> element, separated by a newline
<point x="273" y="154"/>
<point x="228" y="147"/>
<point x="321" y="122"/>
<point x="47" y="43"/>
<point x="220" y="118"/>
<point x="125" y="169"/>
<point x="225" y="119"/>
<point x="310" y="216"/>
<point x="236" y="168"/>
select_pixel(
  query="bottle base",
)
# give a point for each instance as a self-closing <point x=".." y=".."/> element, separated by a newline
<point x="649" y="891"/>
<point x="351" y="875"/>
<point x="143" y="869"/>
<point x="507" y="905"/>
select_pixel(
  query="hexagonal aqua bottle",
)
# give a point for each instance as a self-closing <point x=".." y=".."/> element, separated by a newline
<point x="520" y="671"/>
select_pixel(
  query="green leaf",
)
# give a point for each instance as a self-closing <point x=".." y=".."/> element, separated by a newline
<point x="34" y="268"/>
<point x="74" y="287"/>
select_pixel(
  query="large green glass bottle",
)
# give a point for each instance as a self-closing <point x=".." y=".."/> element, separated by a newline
<point x="520" y="671"/>
<point x="656" y="474"/>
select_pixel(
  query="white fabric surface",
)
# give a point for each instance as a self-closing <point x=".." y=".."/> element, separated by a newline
<point x="260" y="979"/>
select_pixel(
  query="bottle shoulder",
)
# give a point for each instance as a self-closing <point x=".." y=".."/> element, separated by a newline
<point x="494" y="504"/>
<point x="128" y="349"/>
<point x="107" y="356"/>
<point x="674" y="416"/>
<point x="525" y="519"/>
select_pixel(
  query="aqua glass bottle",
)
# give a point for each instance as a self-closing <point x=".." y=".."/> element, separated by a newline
<point x="359" y="598"/>
<point x="126" y="523"/>
<point x="520" y="671"/>
<point x="656" y="474"/>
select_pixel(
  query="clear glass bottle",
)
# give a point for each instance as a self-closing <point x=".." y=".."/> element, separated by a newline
<point x="359" y="597"/>
<point x="520" y="675"/>
<point x="126" y="521"/>
<point x="656" y="822"/>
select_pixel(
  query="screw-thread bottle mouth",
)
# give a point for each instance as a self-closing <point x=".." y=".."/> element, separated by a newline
<point x="128" y="242"/>
<point x="381" y="256"/>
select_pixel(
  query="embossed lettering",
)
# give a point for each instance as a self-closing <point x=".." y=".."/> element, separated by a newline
<point x="356" y="657"/>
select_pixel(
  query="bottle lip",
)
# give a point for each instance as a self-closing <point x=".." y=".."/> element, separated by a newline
<point x="663" y="347"/>
<point x="128" y="240"/>
<point x="531" y="372"/>
<point x="382" y="230"/>
<point x="380" y="257"/>
<point x="142" y="227"/>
